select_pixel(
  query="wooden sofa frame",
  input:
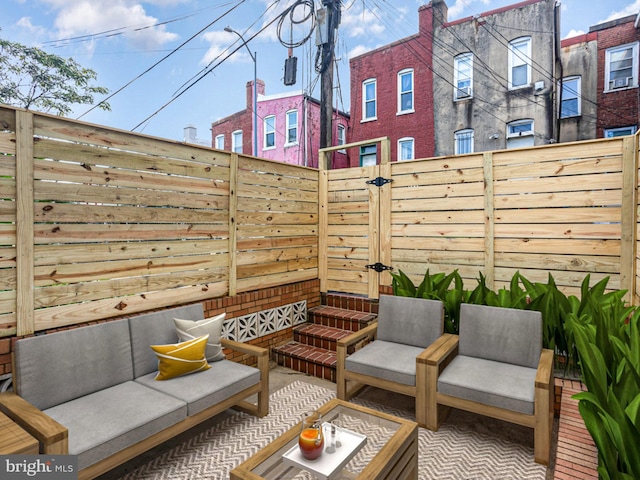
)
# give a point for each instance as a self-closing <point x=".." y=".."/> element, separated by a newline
<point x="439" y="405"/>
<point x="53" y="437"/>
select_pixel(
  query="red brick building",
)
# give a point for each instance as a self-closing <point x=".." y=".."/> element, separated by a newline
<point x="618" y="59"/>
<point x="391" y="95"/>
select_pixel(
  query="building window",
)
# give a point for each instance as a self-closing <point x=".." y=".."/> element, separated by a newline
<point x="619" y="132"/>
<point x="463" y="141"/>
<point x="236" y="141"/>
<point x="219" y="142"/>
<point x="292" y="127"/>
<point x="463" y="76"/>
<point x="520" y="134"/>
<point x="621" y="67"/>
<point x="369" y="111"/>
<point x="405" y="91"/>
<point x="368" y="155"/>
<point x="571" y="104"/>
<point x="405" y="149"/>
<point x="341" y="137"/>
<point x="269" y="131"/>
<point x="520" y="63"/>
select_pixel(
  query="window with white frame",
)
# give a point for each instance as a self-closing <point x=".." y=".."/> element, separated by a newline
<point x="571" y="105"/>
<point x="368" y="155"/>
<point x="621" y="67"/>
<point x="292" y="127"/>
<point x="219" y="142"/>
<point x="236" y="141"/>
<point x="405" y="91"/>
<point x="463" y="76"/>
<point x="342" y="139"/>
<point x="520" y="63"/>
<point x="463" y="141"/>
<point x="369" y="108"/>
<point x="520" y="134"/>
<point x="406" y="149"/>
<point x="620" y="131"/>
<point x="269" y="132"/>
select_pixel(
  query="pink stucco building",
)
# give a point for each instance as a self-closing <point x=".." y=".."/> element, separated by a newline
<point x="288" y="128"/>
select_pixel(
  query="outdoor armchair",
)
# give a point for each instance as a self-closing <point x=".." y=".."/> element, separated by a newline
<point x="495" y="367"/>
<point x="396" y="358"/>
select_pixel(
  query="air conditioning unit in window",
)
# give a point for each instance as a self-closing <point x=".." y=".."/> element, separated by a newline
<point x="620" y="82"/>
<point x="463" y="92"/>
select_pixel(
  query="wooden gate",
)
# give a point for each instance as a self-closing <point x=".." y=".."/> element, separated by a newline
<point x="355" y="236"/>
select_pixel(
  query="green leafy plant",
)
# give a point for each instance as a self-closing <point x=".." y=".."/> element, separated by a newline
<point x="607" y="338"/>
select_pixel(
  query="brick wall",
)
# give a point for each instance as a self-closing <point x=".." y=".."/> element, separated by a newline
<point x="618" y="108"/>
<point x="237" y="306"/>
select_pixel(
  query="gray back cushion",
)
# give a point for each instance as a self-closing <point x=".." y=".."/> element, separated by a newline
<point x="156" y="328"/>
<point x="57" y="367"/>
<point x="501" y="334"/>
<point x="410" y="321"/>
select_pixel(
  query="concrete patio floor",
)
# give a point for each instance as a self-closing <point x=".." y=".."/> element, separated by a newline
<point x="280" y="377"/>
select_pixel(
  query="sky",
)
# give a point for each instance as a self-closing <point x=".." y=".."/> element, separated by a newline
<point x="170" y="63"/>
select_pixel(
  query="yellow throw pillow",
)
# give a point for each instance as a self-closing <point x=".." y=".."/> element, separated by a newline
<point x="179" y="359"/>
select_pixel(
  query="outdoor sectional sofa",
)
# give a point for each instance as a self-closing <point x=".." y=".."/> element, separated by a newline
<point x="91" y="391"/>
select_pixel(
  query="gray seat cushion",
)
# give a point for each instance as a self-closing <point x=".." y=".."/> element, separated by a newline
<point x="410" y="321"/>
<point x="386" y="360"/>
<point x="156" y="328"/>
<point x="58" y="367"/>
<point x="203" y="389"/>
<point x="505" y="335"/>
<point x="115" y="418"/>
<point x="491" y="383"/>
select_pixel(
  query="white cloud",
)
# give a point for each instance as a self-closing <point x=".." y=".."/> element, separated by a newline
<point x="359" y="50"/>
<point x="631" y="9"/>
<point x="83" y="17"/>
<point x="574" y="33"/>
<point x="362" y="22"/>
<point x="221" y="44"/>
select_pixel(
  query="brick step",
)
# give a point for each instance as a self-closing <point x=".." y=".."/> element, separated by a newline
<point x="319" y="336"/>
<point x="340" y="317"/>
<point x="315" y="361"/>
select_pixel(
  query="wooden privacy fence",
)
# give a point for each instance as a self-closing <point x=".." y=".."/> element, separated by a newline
<point x="567" y="209"/>
<point x="97" y="222"/>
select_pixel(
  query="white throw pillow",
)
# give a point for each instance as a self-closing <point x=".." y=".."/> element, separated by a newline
<point x="190" y="329"/>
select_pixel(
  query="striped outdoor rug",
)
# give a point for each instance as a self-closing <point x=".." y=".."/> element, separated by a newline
<point x="463" y="448"/>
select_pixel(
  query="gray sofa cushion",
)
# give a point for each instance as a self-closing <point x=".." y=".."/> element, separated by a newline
<point x="58" y="367"/>
<point x="387" y="360"/>
<point x="502" y="334"/>
<point x="203" y="389"/>
<point x="491" y="383"/>
<point x="115" y="418"/>
<point x="156" y="328"/>
<point x="410" y="321"/>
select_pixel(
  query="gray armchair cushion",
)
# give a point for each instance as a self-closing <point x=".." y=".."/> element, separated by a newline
<point x="386" y="360"/>
<point x="203" y="389"/>
<point x="502" y="334"/>
<point x="410" y="321"/>
<point x="156" y="328"/>
<point x="491" y="383"/>
<point x="115" y="418"/>
<point x="57" y="367"/>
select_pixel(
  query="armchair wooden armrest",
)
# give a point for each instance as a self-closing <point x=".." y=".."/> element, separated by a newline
<point x="261" y="408"/>
<point x="439" y="355"/>
<point x="342" y="392"/>
<point x="355" y="337"/>
<point x="544" y="375"/>
<point x="440" y="352"/>
<point x="51" y="435"/>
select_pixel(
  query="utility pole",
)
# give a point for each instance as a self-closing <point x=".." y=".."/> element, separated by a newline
<point x="332" y="20"/>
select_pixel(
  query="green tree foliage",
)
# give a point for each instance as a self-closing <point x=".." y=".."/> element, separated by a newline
<point x="34" y="79"/>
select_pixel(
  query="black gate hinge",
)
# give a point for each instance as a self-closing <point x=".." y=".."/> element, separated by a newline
<point x="379" y="267"/>
<point x="380" y="181"/>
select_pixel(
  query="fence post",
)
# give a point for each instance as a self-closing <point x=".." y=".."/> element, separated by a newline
<point x="233" y="224"/>
<point x="25" y="321"/>
<point x="489" y="221"/>
<point x="629" y="218"/>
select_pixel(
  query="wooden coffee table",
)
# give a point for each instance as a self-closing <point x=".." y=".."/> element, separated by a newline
<point x="391" y="450"/>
